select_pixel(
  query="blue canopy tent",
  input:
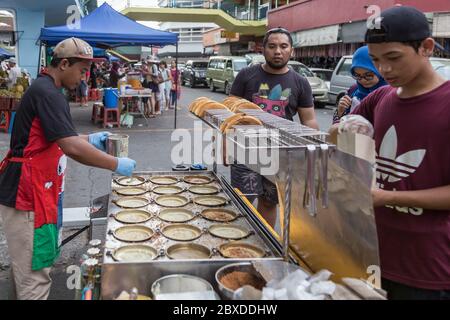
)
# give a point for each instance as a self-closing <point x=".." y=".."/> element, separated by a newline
<point x="5" y="53"/>
<point x="106" y="28"/>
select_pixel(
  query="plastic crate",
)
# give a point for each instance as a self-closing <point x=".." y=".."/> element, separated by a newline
<point x="14" y="104"/>
<point x="5" y="103"/>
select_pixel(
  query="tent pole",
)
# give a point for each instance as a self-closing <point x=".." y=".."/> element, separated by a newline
<point x="176" y="84"/>
<point x="39" y="59"/>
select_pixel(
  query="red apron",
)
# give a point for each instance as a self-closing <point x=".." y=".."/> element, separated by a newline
<point x="47" y="181"/>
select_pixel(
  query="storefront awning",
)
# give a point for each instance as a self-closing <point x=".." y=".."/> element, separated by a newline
<point x="354" y="32"/>
<point x="441" y="25"/>
<point x="316" y="37"/>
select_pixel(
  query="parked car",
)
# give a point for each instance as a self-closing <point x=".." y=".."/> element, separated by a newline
<point x="318" y="86"/>
<point x="342" y="79"/>
<point x="222" y="70"/>
<point x="253" y="58"/>
<point x="194" y="73"/>
<point x="181" y="66"/>
<point x="324" y="74"/>
<point x="442" y="66"/>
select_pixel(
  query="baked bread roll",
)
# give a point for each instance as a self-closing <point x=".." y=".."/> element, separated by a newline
<point x="245" y="105"/>
<point x="230" y="100"/>
<point x="243" y="120"/>
<point x="194" y="103"/>
<point x="199" y="104"/>
<point x="228" y="120"/>
<point x="200" y="111"/>
<point x="236" y="103"/>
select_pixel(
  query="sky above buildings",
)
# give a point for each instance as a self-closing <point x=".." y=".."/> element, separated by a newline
<point x="121" y="4"/>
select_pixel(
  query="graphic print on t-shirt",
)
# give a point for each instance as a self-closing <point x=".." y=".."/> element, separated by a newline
<point x="391" y="168"/>
<point x="273" y="100"/>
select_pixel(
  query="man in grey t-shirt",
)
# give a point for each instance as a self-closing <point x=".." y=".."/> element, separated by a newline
<point x="281" y="91"/>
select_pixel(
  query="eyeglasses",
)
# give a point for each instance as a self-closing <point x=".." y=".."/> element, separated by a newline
<point x="369" y="76"/>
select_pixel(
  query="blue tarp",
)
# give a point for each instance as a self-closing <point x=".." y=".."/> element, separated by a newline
<point x="5" y="53"/>
<point x="105" y="27"/>
<point x="98" y="53"/>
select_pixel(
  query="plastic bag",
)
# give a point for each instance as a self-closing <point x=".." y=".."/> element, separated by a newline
<point x="356" y="124"/>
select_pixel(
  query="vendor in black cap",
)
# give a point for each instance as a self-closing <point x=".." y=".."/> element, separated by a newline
<point x="410" y="122"/>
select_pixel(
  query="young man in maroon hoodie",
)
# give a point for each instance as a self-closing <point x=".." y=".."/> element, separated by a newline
<point x="410" y="120"/>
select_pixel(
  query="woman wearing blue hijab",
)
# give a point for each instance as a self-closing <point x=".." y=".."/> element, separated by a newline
<point x="368" y="79"/>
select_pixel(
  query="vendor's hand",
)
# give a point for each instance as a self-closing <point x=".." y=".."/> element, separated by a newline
<point x="344" y="103"/>
<point x="98" y="140"/>
<point x="380" y="197"/>
<point x="125" y="166"/>
<point x="356" y="124"/>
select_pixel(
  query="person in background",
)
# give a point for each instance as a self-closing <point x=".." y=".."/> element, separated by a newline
<point x="115" y="75"/>
<point x="154" y="84"/>
<point x="409" y="121"/>
<point x="167" y="77"/>
<point x="83" y="90"/>
<point x="32" y="173"/>
<point x="175" y="89"/>
<point x="146" y="75"/>
<point x="94" y="74"/>
<point x="278" y="90"/>
<point x="368" y="79"/>
<point x="161" y="86"/>
<point x="14" y="72"/>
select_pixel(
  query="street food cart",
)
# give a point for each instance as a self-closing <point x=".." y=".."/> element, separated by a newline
<point x="194" y="223"/>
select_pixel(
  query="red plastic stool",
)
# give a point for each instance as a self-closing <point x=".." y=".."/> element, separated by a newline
<point x="94" y="95"/>
<point x="111" y="116"/>
<point x="97" y="112"/>
<point x="5" y="117"/>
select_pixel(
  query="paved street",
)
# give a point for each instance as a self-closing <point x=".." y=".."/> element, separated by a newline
<point x="149" y="146"/>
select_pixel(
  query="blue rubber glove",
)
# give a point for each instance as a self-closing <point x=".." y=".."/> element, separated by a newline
<point x="98" y="140"/>
<point x="125" y="166"/>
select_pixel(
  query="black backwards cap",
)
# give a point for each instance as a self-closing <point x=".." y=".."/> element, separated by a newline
<point x="399" y="24"/>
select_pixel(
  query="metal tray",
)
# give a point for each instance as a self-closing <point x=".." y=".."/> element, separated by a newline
<point x="133" y="233"/>
<point x="172" y="201"/>
<point x="135" y="253"/>
<point x="176" y="215"/>
<point x="163" y="180"/>
<point x="183" y="251"/>
<point x="220" y="215"/>
<point x="181" y="232"/>
<point x="130" y="181"/>
<point x="132" y="216"/>
<point x="229" y="231"/>
<point x="197" y="179"/>
<point x="117" y="276"/>
<point x="168" y="190"/>
<point x="241" y="250"/>
<point x="132" y="202"/>
<point x="203" y="189"/>
<point x="131" y="191"/>
<point x="210" y="201"/>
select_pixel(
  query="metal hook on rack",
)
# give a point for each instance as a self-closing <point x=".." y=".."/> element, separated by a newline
<point x="287" y="208"/>
<point x="309" y="197"/>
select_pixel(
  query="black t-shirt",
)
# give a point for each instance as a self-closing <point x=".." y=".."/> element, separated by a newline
<point x="279" y="94"/>
<point x="42" y="117"/>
